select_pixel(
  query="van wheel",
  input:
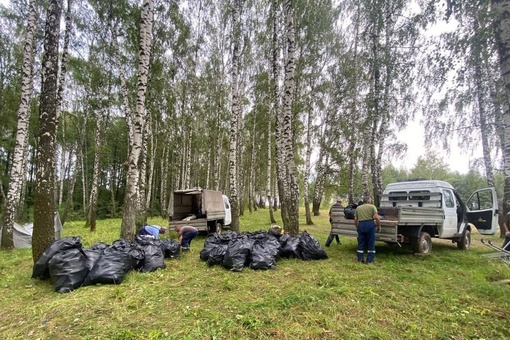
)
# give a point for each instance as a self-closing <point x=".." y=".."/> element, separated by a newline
<point x="218" y="228"/>
<point x="465" y="240"/>
<point x="423" y="244"/>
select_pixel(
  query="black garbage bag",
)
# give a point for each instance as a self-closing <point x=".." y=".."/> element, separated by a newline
<point x="217" y="254"/>
<point x="237" y="254"/>
<point x="99" y="246"/>
<point x="290" y="247"/>
<point x="68" y="270"/>
<point x="154" y="258"/>
<point x="110" y="268"/>
<point x="91" y="256"/>
<point x="136" y="253"/>
<point x="121" y="245"/>
<point x="311" y="248"/>
<point x="213" y="240"/>
<point x="171" y="248"/>
<point x="264" y="254"/>
<point x="350" y="210"/>
<point x="41" y="269"/>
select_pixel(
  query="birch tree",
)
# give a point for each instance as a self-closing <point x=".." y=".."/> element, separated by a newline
<point x="44" y="203"/>
<point x="501" y="11"/>
<point x="286" y="166"/>
<point x="131" y="200"/>
<point x="235" y="115"/>
<point x="18" y="165"/>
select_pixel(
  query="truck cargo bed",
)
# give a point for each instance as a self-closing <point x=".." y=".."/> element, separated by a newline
<point x="392" y="218"/>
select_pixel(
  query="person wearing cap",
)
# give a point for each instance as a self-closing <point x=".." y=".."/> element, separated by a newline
<point x="186" y="234"/>
<point x="336" y="208"/>
<point x="151" y="230"/>
<point x="366" y="220"/>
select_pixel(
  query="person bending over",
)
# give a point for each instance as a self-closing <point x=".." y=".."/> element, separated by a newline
<point x="186" y="234"/>
<point x="151" y="231"/>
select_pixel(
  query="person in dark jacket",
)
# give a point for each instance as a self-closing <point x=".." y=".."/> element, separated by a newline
<point x="336" y="208"/>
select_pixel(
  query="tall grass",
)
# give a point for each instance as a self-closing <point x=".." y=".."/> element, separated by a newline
<point x="449" y="294"/>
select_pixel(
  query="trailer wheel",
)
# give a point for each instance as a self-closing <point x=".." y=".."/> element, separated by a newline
<point x="422" y="244"/>
<point x="465" y="240"/>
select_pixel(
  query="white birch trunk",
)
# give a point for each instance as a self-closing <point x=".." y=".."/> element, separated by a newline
<point x="62" y="171"/>
<point x="133" y="173"/>
<point x="269" y="169"/>
<point x="308" y="157"/>
<point x="60" y="94"/>
<point x="234" y="119"/>
<point x="501" y="15"/>
<point x="291" y="196"/>
<point x="150" y="180"/>
<point x="143" y="168"/>
<point x="164" y="178"/>
<point x="187" y="161"/>
<point x="318" y="192"/>
<point x="92" y="208"/>
<point x="73" y="171"/>
<point x="18" y="169"/>
<point x="281" y="176"/>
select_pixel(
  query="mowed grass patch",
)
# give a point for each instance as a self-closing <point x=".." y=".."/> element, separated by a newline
<point x="449" y="294"/>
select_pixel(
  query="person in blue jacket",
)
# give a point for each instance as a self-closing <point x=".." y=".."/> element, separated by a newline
<point x="151" y="230"/>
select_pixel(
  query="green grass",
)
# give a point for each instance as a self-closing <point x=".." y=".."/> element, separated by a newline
<point x="449" y="294"/>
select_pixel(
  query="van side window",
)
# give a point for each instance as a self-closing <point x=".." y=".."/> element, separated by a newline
<point x="420" y="195"/>
<point x="398" y="196"/>
<point x="449" y="200"/>
<point x="481" y="201"/>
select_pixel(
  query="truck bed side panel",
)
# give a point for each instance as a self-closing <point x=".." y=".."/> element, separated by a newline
<point x="420" y="216"/>
<point x="343" y="226"/>
<point x="200" y="224"/>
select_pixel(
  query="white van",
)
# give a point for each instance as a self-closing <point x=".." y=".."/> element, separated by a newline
<point x="206" y="210"/>
<point x="414" y="212"/>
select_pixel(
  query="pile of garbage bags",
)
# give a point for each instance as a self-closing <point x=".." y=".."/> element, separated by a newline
<point x="259" y="250"/>
<point x="70" y="266"/>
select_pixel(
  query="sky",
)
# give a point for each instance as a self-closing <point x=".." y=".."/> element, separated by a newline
<point x="456" y="159"/>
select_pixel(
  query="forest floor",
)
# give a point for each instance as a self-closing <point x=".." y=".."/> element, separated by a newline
<point x="448" y="294"/>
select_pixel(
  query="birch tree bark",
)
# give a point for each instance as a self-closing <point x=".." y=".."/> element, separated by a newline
<point x="290" y="194"/>
<point x="307" y="164"/>
<point x="234" y="119"/>
<point x="18" y="168"/>
<point x="501" y="10"/>
<point x="44" y="203"/>
<point x="153" y="146"/>
<point x="281" y="178"/>
<point x="143" y="167"/>
<point x="131" y="213"/>
<point x="318" y="192"/>
<point x="73" y="170"/>
<point x="92" y="208"/>
<point x="60" y="94"/>
<point x="482" y="104"/>
<point x="269" y="169"/>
